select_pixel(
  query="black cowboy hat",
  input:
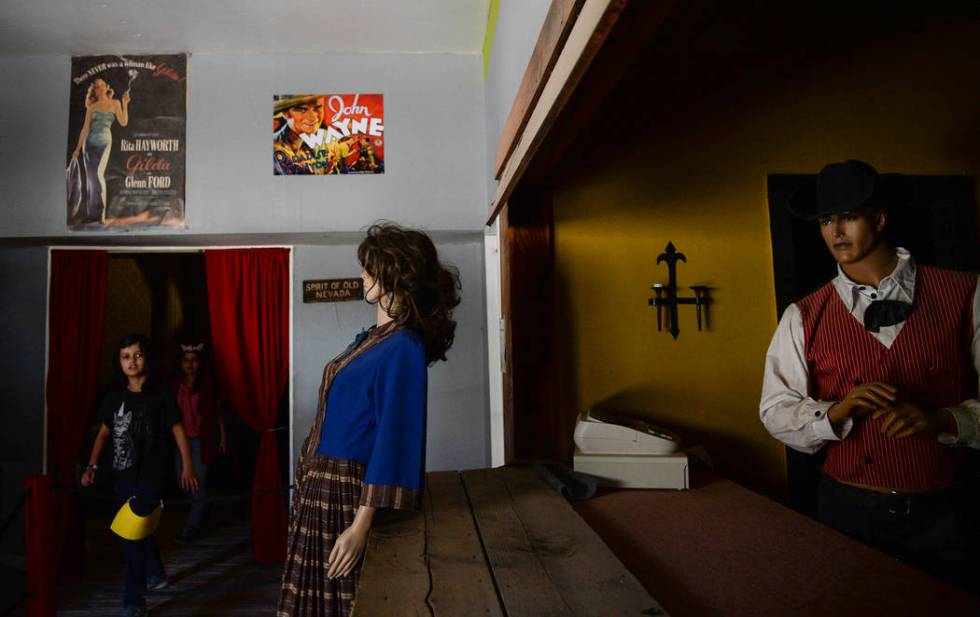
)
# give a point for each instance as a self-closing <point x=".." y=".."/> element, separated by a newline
<point x="841" y="187"/>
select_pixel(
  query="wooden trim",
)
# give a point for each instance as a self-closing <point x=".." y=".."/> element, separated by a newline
<point x="495" y="348"/>
<point x="596" y="19"/>
<point x="531" y="410"/>
<point x="635" y="29"/>
<point x="505" y="249"/>
<point x="555" y="30"/>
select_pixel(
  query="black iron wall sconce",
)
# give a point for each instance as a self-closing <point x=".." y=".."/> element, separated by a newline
<point x="665" y="296"/>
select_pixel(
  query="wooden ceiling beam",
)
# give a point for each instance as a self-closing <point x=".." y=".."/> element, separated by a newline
<point x="595" y="20"/>
<point x="554" y="32"/>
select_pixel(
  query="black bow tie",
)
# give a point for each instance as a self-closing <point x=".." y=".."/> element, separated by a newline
<point x="882" y="313"/>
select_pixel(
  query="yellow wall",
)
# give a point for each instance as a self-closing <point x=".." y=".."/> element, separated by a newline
<point x="907" y="102"/>
<point x="128" y="309"/>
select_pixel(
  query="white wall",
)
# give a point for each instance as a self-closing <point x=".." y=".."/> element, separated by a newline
<point x="435" y="178"/>
<point x="23" y="279"/>
<point x="458" y="436"/>
<point x="435" y="144"/>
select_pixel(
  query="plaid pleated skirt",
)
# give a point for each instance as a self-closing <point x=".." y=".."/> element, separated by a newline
<point x="324" y="503"/>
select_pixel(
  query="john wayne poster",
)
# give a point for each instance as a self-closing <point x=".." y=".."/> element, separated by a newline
<point x="126" y="142"/>
<point x="322" y="134"/>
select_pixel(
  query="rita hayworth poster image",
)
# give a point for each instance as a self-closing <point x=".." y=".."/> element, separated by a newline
<point x="323" y="134"/>
<point x="126" y="142"/>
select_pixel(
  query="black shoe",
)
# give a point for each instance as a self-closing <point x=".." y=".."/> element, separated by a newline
<point x="156" y="583"/>
<point x="187" y="535"/>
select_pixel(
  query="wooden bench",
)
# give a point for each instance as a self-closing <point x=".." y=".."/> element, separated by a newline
<point x="493" y="542"/>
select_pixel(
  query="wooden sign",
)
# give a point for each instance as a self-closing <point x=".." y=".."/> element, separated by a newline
<point x="332" y="290"/>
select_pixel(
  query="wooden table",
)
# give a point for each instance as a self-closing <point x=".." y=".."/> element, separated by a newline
<point x="494" y="542"/>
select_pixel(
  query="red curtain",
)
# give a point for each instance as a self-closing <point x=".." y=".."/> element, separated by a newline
<point x="76" y="316"/>
<point x="248" y="296"/>
<point x="39" y="528"/>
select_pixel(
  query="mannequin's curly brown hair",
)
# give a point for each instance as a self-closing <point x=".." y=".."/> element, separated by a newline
<point x="420" y="291"/>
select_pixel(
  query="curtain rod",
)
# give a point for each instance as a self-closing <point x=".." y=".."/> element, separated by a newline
<point x="122" y="250"/>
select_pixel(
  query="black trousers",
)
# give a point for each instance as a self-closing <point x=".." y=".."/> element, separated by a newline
<point x="142" y="556"/>
<point x="930" y="531"/>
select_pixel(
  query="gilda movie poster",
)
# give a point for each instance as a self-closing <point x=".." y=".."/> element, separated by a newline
<point x="126" y="142"/>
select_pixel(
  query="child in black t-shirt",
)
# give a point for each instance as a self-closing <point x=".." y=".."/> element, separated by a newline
<point x="140" y="418"/>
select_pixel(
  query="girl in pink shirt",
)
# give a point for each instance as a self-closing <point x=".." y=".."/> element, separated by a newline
<point x="200" y="406"/>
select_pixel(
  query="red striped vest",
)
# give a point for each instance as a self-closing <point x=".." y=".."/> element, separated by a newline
<point x="930" y="363"/>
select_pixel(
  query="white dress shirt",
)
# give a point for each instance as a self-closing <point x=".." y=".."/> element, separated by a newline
<point x="801" y="422"/>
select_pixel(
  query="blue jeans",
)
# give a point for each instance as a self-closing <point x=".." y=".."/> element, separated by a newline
<point x="197" y="507"/>
<point x="142" y="556"/>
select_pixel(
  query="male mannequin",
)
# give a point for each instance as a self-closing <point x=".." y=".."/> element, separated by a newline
<point x="879" y="368"/>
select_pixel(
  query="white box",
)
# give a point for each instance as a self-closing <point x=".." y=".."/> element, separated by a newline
<point x="635" y="470"/>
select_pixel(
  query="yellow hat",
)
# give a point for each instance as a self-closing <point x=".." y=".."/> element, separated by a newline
<point x="131" y="526"/>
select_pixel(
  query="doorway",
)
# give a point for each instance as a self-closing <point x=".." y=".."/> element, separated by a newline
<point x="164" y="295"/>
<point x="97" y="295"/>
<point x="162" y="292"/>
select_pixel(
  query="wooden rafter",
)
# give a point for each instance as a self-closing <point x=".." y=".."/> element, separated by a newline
<point x="557" y="25"/>
<point x="594" y="23"/>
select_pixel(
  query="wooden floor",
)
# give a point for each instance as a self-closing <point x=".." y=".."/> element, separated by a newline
<point x="215" y="575"/>
<point x="494" y="542"/>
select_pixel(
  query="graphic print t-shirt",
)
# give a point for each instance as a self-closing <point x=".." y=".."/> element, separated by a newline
<point x="140" y="424"/>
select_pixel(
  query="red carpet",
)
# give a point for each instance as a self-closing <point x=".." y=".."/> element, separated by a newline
<point x="720" y="549"/>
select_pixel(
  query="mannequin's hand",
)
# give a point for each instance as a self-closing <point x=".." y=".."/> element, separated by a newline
<point x="863" y="399"/>
<point x="346" y="551"/>
<point x="907" y="419"/>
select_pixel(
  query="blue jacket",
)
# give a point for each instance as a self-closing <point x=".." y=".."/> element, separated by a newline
<point x="375" y="412"/>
